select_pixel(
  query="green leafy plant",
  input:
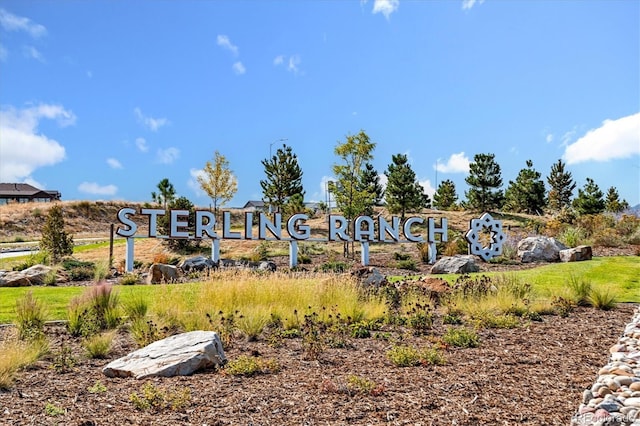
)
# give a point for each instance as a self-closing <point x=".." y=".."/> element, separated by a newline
<point x="408" y="264"/>
<point x="251" y="365"/>
<point x="152" y="397"/>
<point x="408" y="356"/>
<point x="334" y="266"/>
<point x="129" y="278"/>
<point x="97" y="387"/>
<point x="361" y="385"/>
<point x="53" y="410"/>
<point x="461" y="338"/>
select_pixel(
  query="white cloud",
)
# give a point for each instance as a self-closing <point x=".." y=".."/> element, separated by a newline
<point x="11" y="22"/>
<point x="614" y="139"/>
<point x="149" y="122"/>
<point x="4" y="53"/>
<point x="468" y="4"/>
<point x="457" y="163"/>
<point x="549" y="138"/>
<point x="238" y="68"/>
<point x="96" y="189"/>
<point x="114" y="163"/>
<point x="427" y="187"/>
<point x="33" y="53"/>
<point x="292" y="64"/>
<point x="168" y="156"/>
<point x="193" y="181"/>
<point x="225" y="42"/>
<point x="386" y="7"/>
<point x="24" y="148"/>
<point x="142" y="145"/>
<point x="294" y="61"/>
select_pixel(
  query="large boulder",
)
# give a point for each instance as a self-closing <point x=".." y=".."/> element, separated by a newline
<point x="198" y="263"/>
<point x="179" y="355"/>
<point x="160" y="272"/>
<point x="576" y="254"/>
<point x="34" y="275"/>
<point x="539" y="249"/>
<point x="457" y="264"/>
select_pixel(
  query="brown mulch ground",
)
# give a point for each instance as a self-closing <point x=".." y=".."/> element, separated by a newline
<point x="532" y="375"/>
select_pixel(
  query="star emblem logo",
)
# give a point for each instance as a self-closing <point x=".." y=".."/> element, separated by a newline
<point x="497" y="237"/>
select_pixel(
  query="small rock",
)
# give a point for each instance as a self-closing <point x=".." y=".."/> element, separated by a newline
<point x="635" y="386"/>
<point x="632" y="402"/>
<point x="610" y="406"/>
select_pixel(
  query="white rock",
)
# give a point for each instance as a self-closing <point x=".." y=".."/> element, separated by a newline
<point x="178" y="355"/>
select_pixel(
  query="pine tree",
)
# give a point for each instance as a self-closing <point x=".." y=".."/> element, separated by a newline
<point x="561" y="186"/>
<point x="218" y="181"/>
<point x="55" y="240"/>
<point x="484" y="181"/>
<point x="179" y="244"/>
<point x="404" y="193"/>
<point x="166" y="193"/>
<point x="613" y="203"/>
<point x="445" y="196"/>
<point x="284" y="179"/>
<point x="371" y="182"/>
<point x="527" y="193"/>
<point x="589" y="200"/>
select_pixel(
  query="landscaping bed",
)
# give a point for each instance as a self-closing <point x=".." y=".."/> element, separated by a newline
<point x="534" y="374"/>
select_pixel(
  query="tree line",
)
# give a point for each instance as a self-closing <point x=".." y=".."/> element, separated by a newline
<point x="356" y="188"/>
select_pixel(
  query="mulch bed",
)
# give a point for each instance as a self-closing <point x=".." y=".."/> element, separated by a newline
<point x="532" y="375"/>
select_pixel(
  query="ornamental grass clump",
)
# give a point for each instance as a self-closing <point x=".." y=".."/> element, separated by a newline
<point x="18" y="354"/>
<point x="30" y="317"/>
<point x="97" y="309"/>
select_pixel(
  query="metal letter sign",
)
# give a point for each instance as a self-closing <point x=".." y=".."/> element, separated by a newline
<point x="296" y="230"/>
<point x="497" y="237"/>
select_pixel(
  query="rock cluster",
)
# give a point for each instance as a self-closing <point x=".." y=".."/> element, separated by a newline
<point x="614" y="398"/>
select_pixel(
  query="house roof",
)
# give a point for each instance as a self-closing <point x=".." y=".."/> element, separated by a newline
<point x="254" y="203"/>
<point x="18" y="189"/>
<point x="23" y="190"/>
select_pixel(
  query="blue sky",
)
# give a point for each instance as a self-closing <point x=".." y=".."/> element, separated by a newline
<point x="103" y="99"/>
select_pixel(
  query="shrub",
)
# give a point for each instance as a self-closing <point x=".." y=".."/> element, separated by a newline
<point x="101" y="271"/>
<point x="251" y="365"/>
<point x="408" y="356"/>
<point x="606" y="238"/>
<point x="129" y="279"/>
<point x="423" y="251"/>
<point x="461" y="338"/>
<point x="51" y="278"/>
<point x="573" y="236"/>
<point x="136" y="308"/>
<point x="408" y="264"/>
<point x="30" y="317"/>
<point x="334" y="266"/>
<point x="580" y="289"/>
<point x="95" y="310"/>
<point x="99" y="345"/>
<point x="145" y="332"/>
<point x="161" y="258"/>
<point x="401" y="256"/>
<point x="14" y="355"/>
<point x="55" y="240"/>
<point x="156" y="398"/>
<point x="601" y="299"/>
<point x="361" y="385"/>
<point x="53" y="410"/>
<point x="97" y="387"/>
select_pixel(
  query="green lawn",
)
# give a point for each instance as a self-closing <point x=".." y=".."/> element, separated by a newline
<point x="620" y="275"/>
